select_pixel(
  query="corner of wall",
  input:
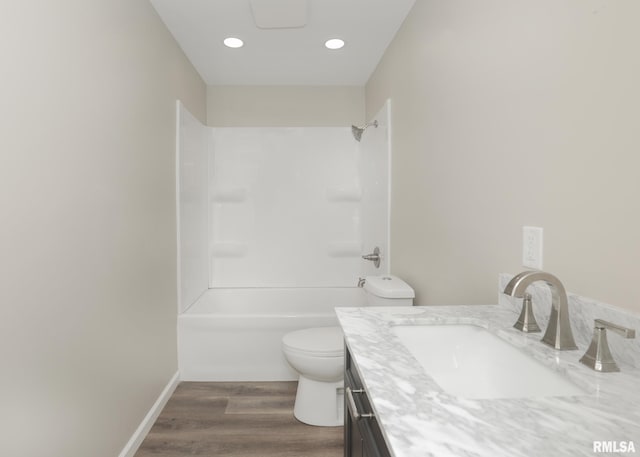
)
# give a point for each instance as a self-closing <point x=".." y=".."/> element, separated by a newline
<point x="143" y="429"/>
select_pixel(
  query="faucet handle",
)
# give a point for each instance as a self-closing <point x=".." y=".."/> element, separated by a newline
<point x="598" y="356"/>
<point x="374" y="257"/>
<point x="625" y="332"/>
<point x="527" y="321"/>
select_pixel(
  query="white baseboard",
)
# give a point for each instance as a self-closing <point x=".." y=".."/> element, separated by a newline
<point x="141" y="432"/>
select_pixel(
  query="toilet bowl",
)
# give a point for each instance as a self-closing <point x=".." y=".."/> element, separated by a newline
<point x="317" y="354"/>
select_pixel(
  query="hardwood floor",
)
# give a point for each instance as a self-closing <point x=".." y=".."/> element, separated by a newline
<point x="237" y="420"/>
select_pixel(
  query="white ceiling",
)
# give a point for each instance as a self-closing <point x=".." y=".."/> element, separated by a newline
<point x="284" y="56"/>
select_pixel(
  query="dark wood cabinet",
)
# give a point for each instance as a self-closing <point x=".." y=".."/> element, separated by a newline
<point x="362" y="434"/>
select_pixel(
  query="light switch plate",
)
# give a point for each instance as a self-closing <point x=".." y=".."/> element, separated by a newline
<point x="532" y="247"/>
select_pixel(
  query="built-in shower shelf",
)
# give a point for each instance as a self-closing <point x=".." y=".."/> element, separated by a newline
<point x="345" y="249"/>
<point x="234" y="195"/>
<point x="229" y="249"/>
<point x="344" y="194"/>
<point x="190" y="194"/>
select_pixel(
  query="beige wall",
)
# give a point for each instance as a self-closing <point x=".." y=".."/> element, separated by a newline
<point x="511" y="113"/>
<point x="87" y="239"/>
<point x="284" y="106"/>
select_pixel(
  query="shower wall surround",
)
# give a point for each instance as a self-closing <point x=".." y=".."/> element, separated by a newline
<point x="375" y="172"/>
<point x="280" y="207"/>
<point x="191" y="189"/>
<point x="285" y="207"/>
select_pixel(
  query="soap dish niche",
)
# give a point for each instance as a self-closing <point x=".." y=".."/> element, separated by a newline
<point x="229" y="249"/>
<point x="232" y="195"/>
<point x="345" y="249"/>
<point x="344" y="194"/>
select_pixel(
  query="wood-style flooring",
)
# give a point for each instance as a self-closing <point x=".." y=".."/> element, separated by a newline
<point x="248" y="419"/>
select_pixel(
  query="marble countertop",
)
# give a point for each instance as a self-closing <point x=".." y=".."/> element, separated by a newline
<point x="419" y="419"/>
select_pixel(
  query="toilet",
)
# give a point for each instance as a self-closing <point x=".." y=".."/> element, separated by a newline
<point x="317" y="354"/>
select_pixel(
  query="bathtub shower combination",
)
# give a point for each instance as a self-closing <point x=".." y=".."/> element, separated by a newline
<point x="272" y="226"/>
<point x="233" y="334"/>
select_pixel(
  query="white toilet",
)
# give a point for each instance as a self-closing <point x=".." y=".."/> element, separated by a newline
<point x="317" y="354"/>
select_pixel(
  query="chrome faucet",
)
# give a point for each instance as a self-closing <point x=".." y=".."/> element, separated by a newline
<point x="558" y="333"/>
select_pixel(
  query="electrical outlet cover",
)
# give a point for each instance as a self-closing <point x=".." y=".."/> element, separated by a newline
<point x="532" y="247"/>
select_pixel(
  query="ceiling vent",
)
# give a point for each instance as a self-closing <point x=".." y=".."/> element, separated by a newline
<point x="279" y="14"/>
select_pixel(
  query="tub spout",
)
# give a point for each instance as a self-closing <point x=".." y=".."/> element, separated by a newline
<point x="558" y="333"/>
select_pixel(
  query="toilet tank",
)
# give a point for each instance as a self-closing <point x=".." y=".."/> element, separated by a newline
<point x="388" y="291"/>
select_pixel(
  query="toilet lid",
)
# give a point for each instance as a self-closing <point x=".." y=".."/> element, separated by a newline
<point x="321" y="341"/>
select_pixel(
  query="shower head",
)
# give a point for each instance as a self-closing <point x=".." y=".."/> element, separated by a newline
<point x="358" y="131"/>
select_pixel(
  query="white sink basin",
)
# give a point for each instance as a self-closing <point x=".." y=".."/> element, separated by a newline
<point x="469" y="361"/>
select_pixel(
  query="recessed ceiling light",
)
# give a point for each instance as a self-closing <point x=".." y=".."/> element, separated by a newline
<point x="232" y="42"/>
<point x="334" y="43"/>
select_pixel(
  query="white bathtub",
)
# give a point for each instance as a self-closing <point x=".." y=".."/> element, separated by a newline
<point x="235" y="334"/>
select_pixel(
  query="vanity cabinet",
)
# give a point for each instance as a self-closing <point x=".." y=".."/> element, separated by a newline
<point x="362" y="434"/>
